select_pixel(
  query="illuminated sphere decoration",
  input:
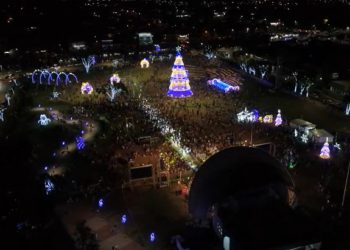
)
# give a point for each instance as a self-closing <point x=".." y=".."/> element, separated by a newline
<point x="144" y="63"/>
<point x="86" y="88"/>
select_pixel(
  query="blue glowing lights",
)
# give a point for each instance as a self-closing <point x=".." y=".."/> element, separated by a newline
<point x="45" y="76"/>
<point x="124" y="219"/>
<point x="80" y="143"/>
<point x="49" y="186"/>
<point x="179" y="82"/>
<point x="152" y="237"/>
<point x="100" y="203"/>
<point x="222" y="86"/>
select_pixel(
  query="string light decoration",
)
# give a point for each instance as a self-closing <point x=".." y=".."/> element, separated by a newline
<point x="304" y="138"/>
<point x="45" y="76"/>
<point x="113" y="92"/>
<point x="86" y="88"/>
<point x="144" y="63"/>
<point x="248" y="116"/>
<point x="55" y="94"/>
<point x="2" y="111"/>
<point x="43" y="120"/>
<point x="325" y="152"/>
<point x="152" y="237"/>
<point x="49" y="186"/>
<point x="295" y="133"/>
<point x="124" y="219"/>
<point x="80" y="142"/>
<point x="157" y="48"/>
<point x="114" y="79"/>
<point x="88" y="63"/>
<point x="100" y="203"/>
<point x="222" y="86"/>
<point x="179" y="82"/>
<point x="278" y="120"/>
<point x="268" y="119"/>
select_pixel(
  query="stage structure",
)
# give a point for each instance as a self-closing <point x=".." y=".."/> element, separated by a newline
<point x="222" y="86"/>
<point x="179" y="82"/>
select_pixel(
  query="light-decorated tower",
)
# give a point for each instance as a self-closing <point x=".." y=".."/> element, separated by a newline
<point x="325" y="152"/>
<point x="278" y="120"/>
<point x="179" y="82"/>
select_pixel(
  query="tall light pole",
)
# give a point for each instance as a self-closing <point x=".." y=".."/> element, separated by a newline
<point x="346" y="185"/>
<point x="251" y="135"/>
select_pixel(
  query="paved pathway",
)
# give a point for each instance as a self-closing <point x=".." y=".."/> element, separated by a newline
<point x="90" y="129"/>
<point x="71" y="214"/>
<point x="101" y="223"/>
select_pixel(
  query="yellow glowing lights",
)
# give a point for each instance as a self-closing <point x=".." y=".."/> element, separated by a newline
<point x="144" y="63"/>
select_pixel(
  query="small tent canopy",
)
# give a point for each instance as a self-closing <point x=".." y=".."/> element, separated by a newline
<point x="321" y="135"/>
<point x="302" y="124"/>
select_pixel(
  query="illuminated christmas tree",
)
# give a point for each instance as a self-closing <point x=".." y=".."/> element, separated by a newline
<point x="179" y="82"/>
<point x="278" y="120"/>
<point x="325" y="151"/>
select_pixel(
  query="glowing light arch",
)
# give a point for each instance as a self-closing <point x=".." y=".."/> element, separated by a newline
<point x="44" y="73"/>
<point x="73" y="75"/>
<point x="144" y="63"/>
<point x="59" y="77"/>
<point x="51" y="78"/>
<point x="33" y="74"/>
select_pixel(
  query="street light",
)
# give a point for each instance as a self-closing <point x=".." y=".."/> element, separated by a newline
<point x="345" y="187"/>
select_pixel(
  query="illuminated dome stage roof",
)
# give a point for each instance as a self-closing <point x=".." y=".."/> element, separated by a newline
<point x="247" y="192"/>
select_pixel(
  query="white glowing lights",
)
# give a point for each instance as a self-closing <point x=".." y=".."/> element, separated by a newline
<point x="247" y="116"/>
<point x="2" y="111"/>
<point x="112" y="93"/>
<point x="44" y="121"/>
<point x="166" y="129"/>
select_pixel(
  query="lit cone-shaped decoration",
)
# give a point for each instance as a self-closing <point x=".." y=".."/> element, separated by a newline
<point x="278" y="120"/>
<point x="325" y="152"/>
<point x="179" y="82"/>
